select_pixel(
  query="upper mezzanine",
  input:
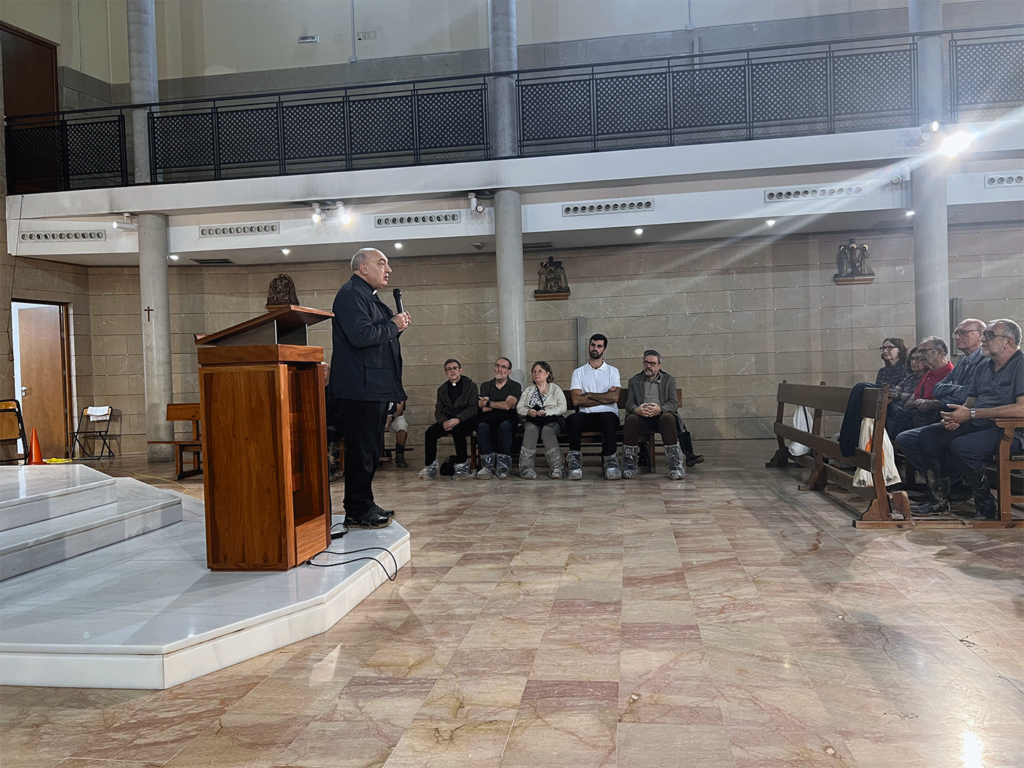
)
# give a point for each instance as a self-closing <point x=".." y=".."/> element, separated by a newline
<point x="798" y="90"/>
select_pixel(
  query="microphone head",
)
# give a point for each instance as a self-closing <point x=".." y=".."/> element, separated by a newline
<point x="397" y="293"/>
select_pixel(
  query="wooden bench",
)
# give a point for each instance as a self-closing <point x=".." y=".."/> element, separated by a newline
<point x="1005" y="466"/>
<point x="194" y="446"/>
<point x="885" y="509"/>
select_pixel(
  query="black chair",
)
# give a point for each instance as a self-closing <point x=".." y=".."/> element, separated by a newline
<point x="93" y="424"/>
<point x="12" y="429"/>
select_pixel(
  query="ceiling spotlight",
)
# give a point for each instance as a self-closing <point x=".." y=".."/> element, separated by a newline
<point x="173" y="257"/>
<point x="398" y="246"/>
<point x="770" y="222"/>
<point x="475" y="205"/>
<point x="127" y="225"/>
<point x="286" y="251"/>
<point x="638" y="231"/>
<point x="909" y="214"/>
<point x="343" y="215"/>
<point x="318" y="215"/>
<point x="932" y="127"/>
<point x="957" y="143"/>
<point x="478" y="246"/>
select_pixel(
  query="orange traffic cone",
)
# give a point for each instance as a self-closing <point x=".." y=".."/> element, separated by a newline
<point x="35" y="455"/>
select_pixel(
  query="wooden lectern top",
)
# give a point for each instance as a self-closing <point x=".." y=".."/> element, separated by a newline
<point x="286" y="325"/>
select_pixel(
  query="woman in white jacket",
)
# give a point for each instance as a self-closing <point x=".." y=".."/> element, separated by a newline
<point x="543" y="408"/>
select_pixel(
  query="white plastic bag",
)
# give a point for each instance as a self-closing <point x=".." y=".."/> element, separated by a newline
<point x="862" y="478"/>
<point x="802" y="421"/>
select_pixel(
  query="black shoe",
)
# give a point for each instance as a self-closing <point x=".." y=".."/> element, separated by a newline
<point x="381" y="511"/>
<point x="400" y="459"/>
<point x="368" y="519"/>
<point x="693" y="459"/>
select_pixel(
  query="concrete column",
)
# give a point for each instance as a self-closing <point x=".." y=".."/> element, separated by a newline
<point x="501" y="92"/>
<point x="156" y="332"/>
<point x="6" y="267"/>
<point x="143" y="78"/>
<point x="931" y="237"/>
<point x="508" y="235"/>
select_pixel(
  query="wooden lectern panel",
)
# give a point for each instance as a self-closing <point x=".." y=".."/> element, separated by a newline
<point x="267" y="495"/>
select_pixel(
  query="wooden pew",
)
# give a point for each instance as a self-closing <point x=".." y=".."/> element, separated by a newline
<point x="884" y="509"/>
<point x="1005" y="464"/>
<point x="194" y="446"/>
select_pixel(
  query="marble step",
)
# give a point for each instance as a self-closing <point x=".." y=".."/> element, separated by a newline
<point x="31" y="495"/>
<point x="138" y="509"/>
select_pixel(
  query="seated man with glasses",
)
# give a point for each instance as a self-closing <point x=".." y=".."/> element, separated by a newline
<point x="652" y="405"/>
<point x="454" y="414"/>
<point x="953" y="388"/>
<point x="966" y="436"/>
<point x="497" y="421"/>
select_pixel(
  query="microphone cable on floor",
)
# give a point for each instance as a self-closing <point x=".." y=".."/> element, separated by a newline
<point x="357" y="560"/>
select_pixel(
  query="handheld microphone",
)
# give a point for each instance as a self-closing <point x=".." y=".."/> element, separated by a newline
<point x="398" y="299"/>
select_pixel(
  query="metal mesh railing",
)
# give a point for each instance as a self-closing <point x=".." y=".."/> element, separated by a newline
<point x="851" y="85"/>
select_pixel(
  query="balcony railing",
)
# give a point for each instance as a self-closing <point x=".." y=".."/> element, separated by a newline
<point x="836" y="87"/>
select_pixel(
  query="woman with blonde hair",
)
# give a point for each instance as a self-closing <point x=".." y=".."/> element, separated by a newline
<point x="543" y="408"/>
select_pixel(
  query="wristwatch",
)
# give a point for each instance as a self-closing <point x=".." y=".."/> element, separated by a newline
<point x="973" y="411"/>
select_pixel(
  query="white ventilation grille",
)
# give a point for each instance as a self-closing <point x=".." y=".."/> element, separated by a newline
<point x="418" y="219"/>
<point x="1004" y="180"/>
<point x="784" y="194"/>
<point x="608" y="206"/>
<point x="73" y="235"/>
<point x="234" y="230"/>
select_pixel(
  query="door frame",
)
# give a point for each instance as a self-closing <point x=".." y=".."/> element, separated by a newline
<point x="63" y="308"/>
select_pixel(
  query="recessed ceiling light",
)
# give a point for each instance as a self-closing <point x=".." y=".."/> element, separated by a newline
<point x="286" y="251"/>
<point x="398" y="246"/>
<point x="909" y="214"/>
<point x="770" y="222"/>
<point x="638" y="231"/>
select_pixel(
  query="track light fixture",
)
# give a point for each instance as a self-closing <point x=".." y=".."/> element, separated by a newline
<point x="318" y="215"/>
<point x="343" y="215"/>
<point x="127" y="225"/>
<point x="475" y="205"/>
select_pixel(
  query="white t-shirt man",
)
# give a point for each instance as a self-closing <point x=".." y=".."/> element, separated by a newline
<point x="588" y="379"/>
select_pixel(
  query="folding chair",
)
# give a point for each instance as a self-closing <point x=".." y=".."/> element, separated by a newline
<point x="12" y="429"/>
<point x="94" y="424"/>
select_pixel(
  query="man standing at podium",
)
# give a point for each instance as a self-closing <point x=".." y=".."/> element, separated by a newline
<point x="366" y="377"/>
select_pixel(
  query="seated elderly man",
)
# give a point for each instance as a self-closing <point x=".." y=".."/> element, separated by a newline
<point x="651" y="404"/>
<point x="968" y="335"/>
<point x="924" y="406"/>
<point x="455" y="415"/>
<point x="966" y="436"/>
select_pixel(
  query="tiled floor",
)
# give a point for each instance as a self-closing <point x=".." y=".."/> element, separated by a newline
<point x="726" y="621"/>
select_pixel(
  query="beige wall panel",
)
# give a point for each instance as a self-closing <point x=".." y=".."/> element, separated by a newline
<point x="727" y="336"/>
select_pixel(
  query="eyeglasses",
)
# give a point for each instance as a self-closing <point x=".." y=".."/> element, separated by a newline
<point x="964" y="333"/>
<point x="889" y="348"/>
<point x="451" y="368"/>
<point x="651" y="362"/>
<point x="989" y="335"/>
<point x="917" y="359"/>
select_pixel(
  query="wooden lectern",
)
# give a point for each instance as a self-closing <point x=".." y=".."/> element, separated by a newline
<point x="261" y="392"/>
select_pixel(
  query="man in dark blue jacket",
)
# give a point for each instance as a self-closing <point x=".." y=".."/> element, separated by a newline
<point x="366" y="377"/>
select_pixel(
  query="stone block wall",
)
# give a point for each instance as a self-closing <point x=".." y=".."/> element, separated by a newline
<point x="731" y="320"/>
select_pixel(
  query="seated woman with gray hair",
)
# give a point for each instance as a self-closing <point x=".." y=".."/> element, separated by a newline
<point x="543" y="409"/>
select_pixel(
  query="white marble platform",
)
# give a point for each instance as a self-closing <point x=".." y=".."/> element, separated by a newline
<point x="31" y="494"/>
<point x="147" y="613"/>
